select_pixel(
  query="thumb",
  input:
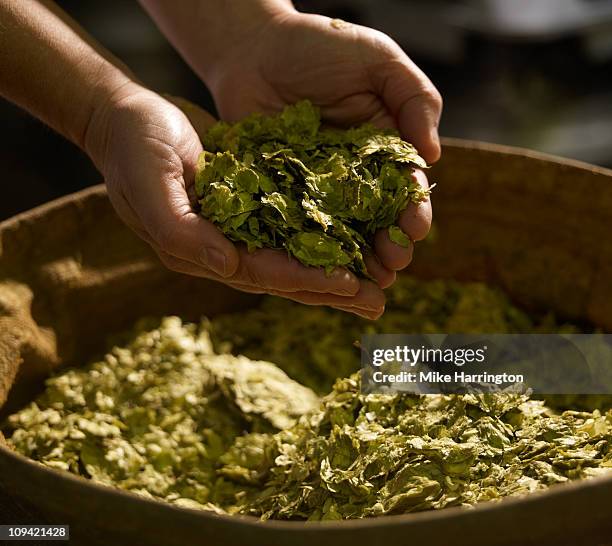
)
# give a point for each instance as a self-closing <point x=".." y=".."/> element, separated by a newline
<point x="414" y="103"/>
<point x="178" y="231"/>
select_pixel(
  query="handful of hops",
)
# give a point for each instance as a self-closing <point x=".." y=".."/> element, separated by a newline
<point x="283" y="181"/>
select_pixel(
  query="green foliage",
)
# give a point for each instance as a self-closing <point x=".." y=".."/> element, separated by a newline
<point x="155" y="416"/>
<point x="171" y="414"/>
<point x="285" y="182"/>
<point x="370" y="455"/>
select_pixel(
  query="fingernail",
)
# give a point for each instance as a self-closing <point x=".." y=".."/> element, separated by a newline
<point x="351" y="284"/>
<point x="215" y="260"/>
<point x="343" y="292"/>
<point x="366" y="314"/>
<point x="352" y="291"/>
<point x="367" y="308"/>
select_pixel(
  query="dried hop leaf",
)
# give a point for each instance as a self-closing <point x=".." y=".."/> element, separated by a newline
<point x="285" y="182"/>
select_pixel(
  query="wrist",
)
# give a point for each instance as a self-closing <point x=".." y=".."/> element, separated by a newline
<point x="240" y="38"/>
<point x="210" y="34"/>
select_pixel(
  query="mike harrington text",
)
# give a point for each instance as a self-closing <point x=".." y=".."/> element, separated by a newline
<point x="456" y="377"/>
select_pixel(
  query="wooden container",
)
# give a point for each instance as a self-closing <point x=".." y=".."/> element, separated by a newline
<point x="71" y="273"/>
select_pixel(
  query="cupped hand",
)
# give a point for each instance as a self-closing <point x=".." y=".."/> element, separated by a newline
<point x="147" y="150"/>
<point x="354" y="74"/>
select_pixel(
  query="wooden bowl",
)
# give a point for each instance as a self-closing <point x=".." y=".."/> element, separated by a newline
<point x="71" y="274"/>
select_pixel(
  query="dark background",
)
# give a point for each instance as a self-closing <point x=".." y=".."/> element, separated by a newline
<point x="535" y="73"/>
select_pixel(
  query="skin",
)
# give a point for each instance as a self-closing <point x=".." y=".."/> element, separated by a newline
<point x="254" y="56"/>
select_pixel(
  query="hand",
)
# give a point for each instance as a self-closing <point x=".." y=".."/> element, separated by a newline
<point x="354" y="74"/>
<point x="147" y="150"/>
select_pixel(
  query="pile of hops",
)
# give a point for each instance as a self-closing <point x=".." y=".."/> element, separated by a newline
<point x="285" y="182"/>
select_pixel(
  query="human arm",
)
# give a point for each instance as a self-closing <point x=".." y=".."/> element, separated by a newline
<point x="263" y="54"/>
<point x="146" y="150"/>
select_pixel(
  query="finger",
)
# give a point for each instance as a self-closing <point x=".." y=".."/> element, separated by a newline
<point x="418" y="120"/>
<point x="182" y="266"/>
<point x="191" y="238"/>
<point x="366" y="297"/>
<point x="188" y="268"/>
<point x="383" y="120"/>
<point x="199" y="118"/>
<point x="392" y="256"/>
<point x="413" y="101"/>
<point x="275" y="270"/>
<point x="368" y="303"/>
<point x="201" y="121"/>
<point x="370" y="297"/>
<point x="359" y="313"/>
<point x="362" y="312"/>
<point x="156" y="190"/>
<point x="166" y="215"/>
<point x="125" y="211"/>
<point x="128" y="216"/>
<point x="415" y="220"/>
<point x="356" y="109"/>
<point x="384" y="277"/>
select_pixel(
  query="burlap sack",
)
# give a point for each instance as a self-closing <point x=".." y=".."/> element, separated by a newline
<point x="70" y="274"/>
